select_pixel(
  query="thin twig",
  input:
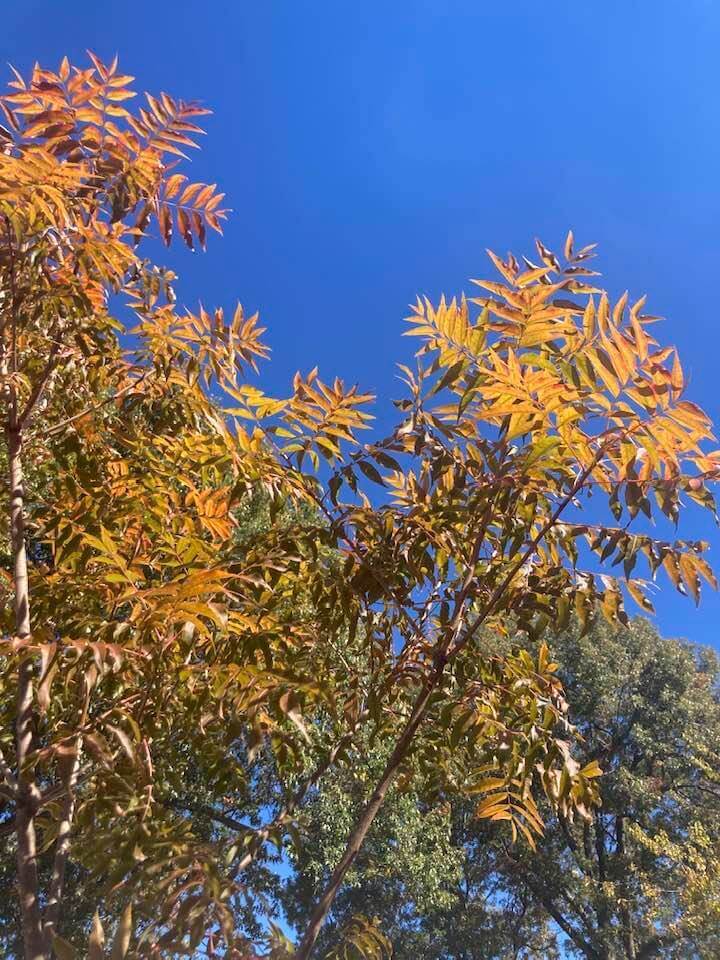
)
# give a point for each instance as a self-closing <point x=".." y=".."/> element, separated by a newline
<point x="41" y="382"/>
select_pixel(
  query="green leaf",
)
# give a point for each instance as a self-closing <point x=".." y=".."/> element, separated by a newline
<point x="541" y="448"/>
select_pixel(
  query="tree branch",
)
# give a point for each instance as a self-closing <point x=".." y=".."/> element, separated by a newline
<point x="403" y="744"/>
<point x="27" y="789"/>
<point x="39" y="387"/>
<point x="567" y="928"/>
<point x="499" y="591"/>
<point x="62" y="848"/>
<point x="206" y="811"/>
<point x="58" y="427"/>
<point x="260" y="836"/>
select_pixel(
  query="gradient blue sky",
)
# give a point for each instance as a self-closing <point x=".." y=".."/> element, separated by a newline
<point x="371" y="151"/>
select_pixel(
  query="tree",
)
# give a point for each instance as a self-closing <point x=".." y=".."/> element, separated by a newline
<point x="521" y="413"/>
<point x="70" y="181"/>
<point x="426" y="874"/>
<point x="636" y="882"/>
<point x="143" y="630"/>
<point x="137" y="622"/>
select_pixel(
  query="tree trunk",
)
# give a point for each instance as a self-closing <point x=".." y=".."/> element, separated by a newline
<point x="602" y="912"/>
<point x="357" y="837"/>
<point x="625" y="910"/>
<point x="27" y="796"/>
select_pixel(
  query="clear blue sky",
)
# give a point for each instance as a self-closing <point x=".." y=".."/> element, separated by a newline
<point x="372" y="150"/>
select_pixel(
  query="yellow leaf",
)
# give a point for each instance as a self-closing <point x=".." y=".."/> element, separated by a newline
<point x="97" y="939"/>
<point x="591" y="769"/>
<point x="121" y="942"/>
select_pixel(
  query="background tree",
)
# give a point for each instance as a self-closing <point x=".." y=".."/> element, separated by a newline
<point x="638" y="880"/>
<point x="623" y="886"/>
<point x="402" y="875"/>
<point x="425" y="874"/>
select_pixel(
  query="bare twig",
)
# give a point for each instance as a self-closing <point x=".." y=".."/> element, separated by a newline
<point x="41" y="383"/>
<point x="58" y="427"/>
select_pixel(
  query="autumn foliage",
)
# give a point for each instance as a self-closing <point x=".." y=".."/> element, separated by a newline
<point x="146" y="641"/>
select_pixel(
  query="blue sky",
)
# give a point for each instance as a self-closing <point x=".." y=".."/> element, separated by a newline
<point x="372" y="151"/>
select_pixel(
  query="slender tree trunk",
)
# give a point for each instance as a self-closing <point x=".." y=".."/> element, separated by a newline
<point x="27" y="795"/>
<point x="17" y="528"/>
<point x="602" y="912"/>
<point x="357" y="837"/>
<point x="625" y="910"/>
<point x="57" y="882"/>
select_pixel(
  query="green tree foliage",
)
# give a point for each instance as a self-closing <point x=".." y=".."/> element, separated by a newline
<point x="173" y="692"/>
<point x="406" y="869"/>
<point x="638" y="880"/>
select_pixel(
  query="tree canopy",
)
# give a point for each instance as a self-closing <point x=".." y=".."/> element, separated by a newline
<point x="637" y="880"/>
<point x="217" y="600"/>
